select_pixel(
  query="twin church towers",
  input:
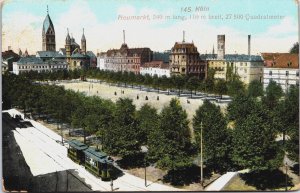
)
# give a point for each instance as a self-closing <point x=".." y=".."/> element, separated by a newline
<point x="48" y="39"/>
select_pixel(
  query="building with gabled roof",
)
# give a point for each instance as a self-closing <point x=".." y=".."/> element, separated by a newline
<point x="283" y="68"/>
<point x="124" y="59"/>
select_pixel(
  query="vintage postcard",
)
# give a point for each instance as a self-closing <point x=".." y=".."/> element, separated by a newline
<point x="132" y="95"/>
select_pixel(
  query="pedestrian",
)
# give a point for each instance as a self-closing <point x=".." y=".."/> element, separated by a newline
<point x="137" y="97"/>
<point x="146" y="98"/>
<point x="188" y="102"/>
<point x="115" y="93"/>
<point x="157" y="98"/>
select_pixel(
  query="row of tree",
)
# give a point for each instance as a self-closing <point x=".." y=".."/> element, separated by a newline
<point x="179" y="83"/>
<point x="243" y="137"/>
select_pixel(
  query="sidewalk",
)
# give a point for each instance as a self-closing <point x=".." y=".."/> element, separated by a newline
<point x="221" y="182"/>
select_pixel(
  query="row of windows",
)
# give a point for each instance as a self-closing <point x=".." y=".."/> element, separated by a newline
<point x="286" y="73"/>
<point x="42" y="67"/>
<point x="121" y="61"/>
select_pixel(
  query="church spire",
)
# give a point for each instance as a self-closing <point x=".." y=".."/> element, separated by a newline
<point x="47" y="10"/>
<point x="83" y="37"/>
<point x="213" y="51"/>
<point x="83" y="43"/>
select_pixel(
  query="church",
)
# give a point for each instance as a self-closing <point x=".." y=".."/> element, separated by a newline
<point x="74" y="54"/>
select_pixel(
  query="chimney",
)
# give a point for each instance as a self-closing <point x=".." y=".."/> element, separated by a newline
<point x="183" y="36"/>
<point x="221" y="47"/>
<point x="249" y="45"/>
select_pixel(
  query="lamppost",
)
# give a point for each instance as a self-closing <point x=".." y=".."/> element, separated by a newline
<point x="201" y="155"/>
<point x="111" y="184"/>
<point x="144" y="149"/>
<point x="286" y="176"/>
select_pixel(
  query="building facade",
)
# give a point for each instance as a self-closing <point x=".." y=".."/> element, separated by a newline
<point x="158" y="68"/>
<point x="124" y="59"/>
<point x="283" y="68"/>
<point x="32" y="63"/>
<point x="246" y="67"/>
<point x="185" y="60"/>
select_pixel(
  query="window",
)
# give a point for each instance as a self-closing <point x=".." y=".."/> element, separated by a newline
<point x="270" y="73"/>
<point x="297" y="73"/>
<point x="287" y="73"/>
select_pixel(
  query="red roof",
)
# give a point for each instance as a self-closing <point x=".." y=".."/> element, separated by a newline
<point x="281" y="60"/>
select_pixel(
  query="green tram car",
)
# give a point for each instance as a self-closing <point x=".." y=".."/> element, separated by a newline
<point x="98" y="163"/>
<point x="75" y="151"/>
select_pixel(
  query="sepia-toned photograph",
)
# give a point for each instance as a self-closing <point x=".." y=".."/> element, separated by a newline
<point x="136" y="95"/>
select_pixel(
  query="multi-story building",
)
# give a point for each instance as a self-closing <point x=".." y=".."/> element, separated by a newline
<point x="158" y="68"/>
<point x="124" y="59"/>
<point x="32" y="63"/>
<point x="283" y="68"/>
<point x="185" y="60"/>
<point x="247" y="67"/>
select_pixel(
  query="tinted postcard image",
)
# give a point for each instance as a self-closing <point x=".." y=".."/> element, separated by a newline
<point x="173" y="95"/>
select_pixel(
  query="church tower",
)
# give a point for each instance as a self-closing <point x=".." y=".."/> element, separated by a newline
<point x="68" y="45"/>
<point x="48" y="34"/>
<point x="83" y="43"/>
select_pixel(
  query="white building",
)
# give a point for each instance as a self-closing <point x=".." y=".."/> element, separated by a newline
<point x="283" y="68"/>
<point x="32" y="63"/>
<point x="155" y="67"/>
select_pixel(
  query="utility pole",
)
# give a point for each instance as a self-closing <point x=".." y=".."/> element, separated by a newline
<point x="201" y="155"/>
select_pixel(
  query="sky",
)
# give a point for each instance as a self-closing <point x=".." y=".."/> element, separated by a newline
<point x="104" y="21"/>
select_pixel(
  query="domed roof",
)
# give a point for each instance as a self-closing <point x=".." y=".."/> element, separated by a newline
<point x="47" y="24"/>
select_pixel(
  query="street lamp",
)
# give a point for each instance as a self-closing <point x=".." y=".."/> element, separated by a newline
<point x="286" y="176"/>
<point x="144" y="149"/>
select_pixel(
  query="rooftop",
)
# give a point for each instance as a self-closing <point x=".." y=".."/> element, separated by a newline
<point x="30" y="60"/>
<point x="77" y="144"/>
<point x="281" y="60"/>
<point x="97" y="155"/>
<point x="233" y="57"/>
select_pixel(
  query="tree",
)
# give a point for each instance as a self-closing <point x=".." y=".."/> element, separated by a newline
<point x="221" y="87"/>
<point x="165" y="83"/>
<point x="255" y="89"/>
<point x="147" y="119"/>
<point x="169" y="145"/>
<point x="273" y="94"/>
<point x="178" y="82"/>
<point x="123" y="133"/>
<point x="288" y="113"/>
<point x="217" y="142"/>
<point x="235" y="87"/>
<point x="241" y="107"/>
<point x="295" y="48"/>
<point x="156" y="82"/>
<point x="254" y="145"/>
<point x="192" y="84"/>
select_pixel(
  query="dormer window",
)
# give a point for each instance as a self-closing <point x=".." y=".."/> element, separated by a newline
<point x="289" y="64"/>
